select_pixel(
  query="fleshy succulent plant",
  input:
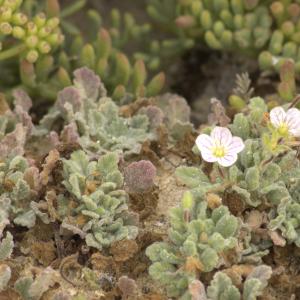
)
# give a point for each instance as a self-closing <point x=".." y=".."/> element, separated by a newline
<point x="267" y="30"/>
<point x="47" y="54"/>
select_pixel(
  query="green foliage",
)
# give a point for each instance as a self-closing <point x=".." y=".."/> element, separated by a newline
<point x="221" y="287"/>
<point x="197" y="237"/>
<point x="6" y="246"/>
<point x="100" y="202"/>
<point x="267" y="30"/>
<point x="5" y="275"/>
<point x="31" y="288"/>
<point x="17" y="195"/>
<point x="267" y="173"/>
<point x="94" y="118"/>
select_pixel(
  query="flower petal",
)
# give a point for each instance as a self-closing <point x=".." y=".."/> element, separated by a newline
<point x="221" y="135"/>
<point x="205" y="144"/>
<point x="228" y="160"/>
<point x="295" y="131"/>
<point x="208" y="156"/>
<point x="236" y="146"/>
<point x="293" y="121"/>
<point x="204" y="141"/>
<point x="277" y="116"/>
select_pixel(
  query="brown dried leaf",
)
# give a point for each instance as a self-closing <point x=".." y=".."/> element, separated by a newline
<point x="44" y="252"/>
<point x="32" y="177"/>
<point x="277" y="238"/>
<point x="102" y="263"/>
<point x="131" y="109"/>
<point x="4" y="107"/>
<point x="51" y="199"/>
<point x="123" y="250"/>
<point x="127" y="286"/>
<point x="241" y="270"/>
<point x="22" y="99"/>
<point x="254" y="219"/>
<point x="155" y="115"/>
<point x="218" y="115"/>
<point x="197" y="290"/>
<point x="213" y="200"/>
<point x="263" y="273"/>
<point x="71" y="270"/>
<point x="69" y="134"/>
<point x="49" y="165"/>
<point x="46" y="279"/>
<point x="234" y="202"/>
<point x="13" y="143"/>
<point x="193" y="265"/>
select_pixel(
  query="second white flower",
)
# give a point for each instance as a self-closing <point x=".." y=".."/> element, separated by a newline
<point x="220" y="146"/>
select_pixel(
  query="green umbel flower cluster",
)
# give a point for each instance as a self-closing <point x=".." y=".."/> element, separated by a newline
<point x="33" y="37"/>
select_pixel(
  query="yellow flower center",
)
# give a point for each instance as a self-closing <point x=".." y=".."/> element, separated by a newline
<point x="283" y="129"/>
<point x="219" y="151"/>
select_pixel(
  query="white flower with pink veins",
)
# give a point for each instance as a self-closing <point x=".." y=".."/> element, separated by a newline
<point x="286" y="122"/>
<point x="220" y="146"/>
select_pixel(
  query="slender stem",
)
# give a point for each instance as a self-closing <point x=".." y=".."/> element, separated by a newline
<point x="295" y="101"/>
<point x="221" y="172"/>
<point x="72" y="9"/>
<point x="12" y="52"/>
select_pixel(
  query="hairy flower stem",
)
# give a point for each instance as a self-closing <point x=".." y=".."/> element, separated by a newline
<point x="295" y="101"/>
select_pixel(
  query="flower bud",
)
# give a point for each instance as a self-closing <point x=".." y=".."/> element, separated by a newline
<point x="187" y="200"/>
<point x="236" y="102"/>
<point x="32" y="56"/>
<point x="53" y="39"/>
<point x="44" y="31"/>
<point x="32" y="28"/>
<point x="40" y="20"/>
<point x="19" y="19"/>
<point x="44" y="47"/>
<point x="6" y="14"/>
<point x="18" y="32"/>
<point x="13" y="4"/>
<point x="5" y="28"/>
<point x="32" y="41"/>
<point x="53" y="23"/>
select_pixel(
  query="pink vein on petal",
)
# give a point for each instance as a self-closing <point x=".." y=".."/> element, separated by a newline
<point x="222" y="135"/>
<point x="277" y="116"/>
<point x="228" y="160"/>
<point x="237" y="145"/>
